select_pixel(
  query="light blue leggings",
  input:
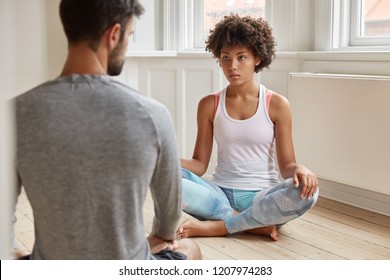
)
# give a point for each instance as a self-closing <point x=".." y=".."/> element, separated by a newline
<point x="275" y="205"/>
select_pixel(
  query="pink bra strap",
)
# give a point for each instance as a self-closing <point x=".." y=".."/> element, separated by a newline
<point x="216" y="101"/>
<point x="268" y="96"/>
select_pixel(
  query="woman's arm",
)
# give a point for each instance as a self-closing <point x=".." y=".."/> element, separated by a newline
<point x="204" y="139"/>
<point x="280" y="114"/>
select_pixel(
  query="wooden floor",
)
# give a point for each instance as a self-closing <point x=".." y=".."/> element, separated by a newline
<point x="331" y="230"/>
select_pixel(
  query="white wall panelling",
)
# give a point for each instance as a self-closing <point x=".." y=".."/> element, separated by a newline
<point x="179" y="84"/>
<point x="341" y="128"/>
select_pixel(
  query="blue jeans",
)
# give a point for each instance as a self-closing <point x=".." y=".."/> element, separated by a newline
<point x="275" y="205"/>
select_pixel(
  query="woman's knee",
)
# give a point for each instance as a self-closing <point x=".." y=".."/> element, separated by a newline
<point x="314" y="198"/>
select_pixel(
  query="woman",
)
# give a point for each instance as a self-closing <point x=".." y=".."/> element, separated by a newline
<point x="251" y="125"/>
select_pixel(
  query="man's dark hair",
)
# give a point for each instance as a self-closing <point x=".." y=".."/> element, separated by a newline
<point x="87" y="20"/>
<point x="255" y="34"/>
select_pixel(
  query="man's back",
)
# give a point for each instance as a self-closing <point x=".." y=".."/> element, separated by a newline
<point x="88" y="148"/>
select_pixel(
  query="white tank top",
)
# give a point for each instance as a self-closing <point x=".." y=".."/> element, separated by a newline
<point x="246" y="148"/>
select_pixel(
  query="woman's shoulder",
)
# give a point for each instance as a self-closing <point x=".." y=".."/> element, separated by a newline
<point x="277" y="100"/>
<point x="208" y="104"/>
<point x="210" y="99"/>
<point x="278" y="105"/>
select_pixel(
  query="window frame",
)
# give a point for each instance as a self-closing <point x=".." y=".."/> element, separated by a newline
<point x="198" y="24"/>
<point x="345" y="17"/>
<point x="198" y="20"/>
<point x="356" y="19"/>
<point x="175" y="27"/>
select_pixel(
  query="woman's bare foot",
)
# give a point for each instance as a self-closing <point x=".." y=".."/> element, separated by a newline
<point x="270" y="231"/>
<point x="192" y="228"/>
<point x="20" y="253"/>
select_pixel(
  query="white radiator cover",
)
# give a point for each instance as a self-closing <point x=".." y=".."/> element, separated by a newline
<point x="341" y="128"/>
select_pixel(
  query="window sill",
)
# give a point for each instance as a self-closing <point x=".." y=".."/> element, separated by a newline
<point x="348" y="55"/>
<point x="356" y="55"/>
<point x="151" y="54"/>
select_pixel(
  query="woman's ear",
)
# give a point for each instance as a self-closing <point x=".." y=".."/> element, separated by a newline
<point x="258" y="61"/>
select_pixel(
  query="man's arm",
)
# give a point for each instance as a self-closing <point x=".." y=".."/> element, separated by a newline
<point x="166" y="181"/>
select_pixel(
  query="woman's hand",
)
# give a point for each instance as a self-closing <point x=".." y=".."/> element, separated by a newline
<point x="307" y="180"/>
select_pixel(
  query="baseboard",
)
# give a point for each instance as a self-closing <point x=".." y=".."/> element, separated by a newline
<point x="369" y="200"/>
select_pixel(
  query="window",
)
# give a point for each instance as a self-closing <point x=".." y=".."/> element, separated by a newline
<point x="354" y="25"/>
<point x="370" y="23"/>
<point x="209" y="12"/>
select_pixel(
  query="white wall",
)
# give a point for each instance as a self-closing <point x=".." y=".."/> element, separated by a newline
<point x="5" y="183"/>
<point x="32" y="51"/>
<point x="35" y="46"/>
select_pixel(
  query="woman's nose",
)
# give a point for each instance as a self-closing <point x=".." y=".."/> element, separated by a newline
<point x="233" y="64"/>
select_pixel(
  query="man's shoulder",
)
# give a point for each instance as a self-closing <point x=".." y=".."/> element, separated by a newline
<point x="105" y="88"/>
<point x="146" y="102"/>
<point x="31" y="91"/>
<point x="156" y="110"/>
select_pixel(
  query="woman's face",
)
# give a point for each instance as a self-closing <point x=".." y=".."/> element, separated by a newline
<point x="238" y="64"/>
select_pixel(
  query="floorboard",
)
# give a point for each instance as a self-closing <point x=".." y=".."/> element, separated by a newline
<point x="330" y="231"/>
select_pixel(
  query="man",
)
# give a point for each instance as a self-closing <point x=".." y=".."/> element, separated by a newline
<point x="89" y="147"/>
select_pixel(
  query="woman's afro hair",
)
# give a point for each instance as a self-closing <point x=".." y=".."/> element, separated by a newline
<point x="255" y="34"/>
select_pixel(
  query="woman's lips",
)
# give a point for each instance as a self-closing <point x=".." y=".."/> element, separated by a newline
<point x="234" y="76"/>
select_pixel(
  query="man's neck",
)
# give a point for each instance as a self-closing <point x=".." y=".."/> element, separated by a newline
<point x="83" y="60"/>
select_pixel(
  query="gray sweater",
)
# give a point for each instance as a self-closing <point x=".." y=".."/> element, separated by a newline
<point x="88" y="149"/>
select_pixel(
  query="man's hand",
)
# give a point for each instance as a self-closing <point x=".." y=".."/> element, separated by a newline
<point x="157" y="244"/>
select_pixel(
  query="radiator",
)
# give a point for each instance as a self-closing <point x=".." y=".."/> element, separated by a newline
<point x="341" y="127"/>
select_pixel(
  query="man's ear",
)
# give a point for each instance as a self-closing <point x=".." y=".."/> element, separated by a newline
<point x="113" y="36"/>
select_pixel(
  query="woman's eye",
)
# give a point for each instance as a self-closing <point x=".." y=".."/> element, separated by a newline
<point x="242" y="57"/>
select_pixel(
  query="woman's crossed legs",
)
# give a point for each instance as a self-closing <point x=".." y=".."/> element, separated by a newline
<point x="225" y="211"/>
